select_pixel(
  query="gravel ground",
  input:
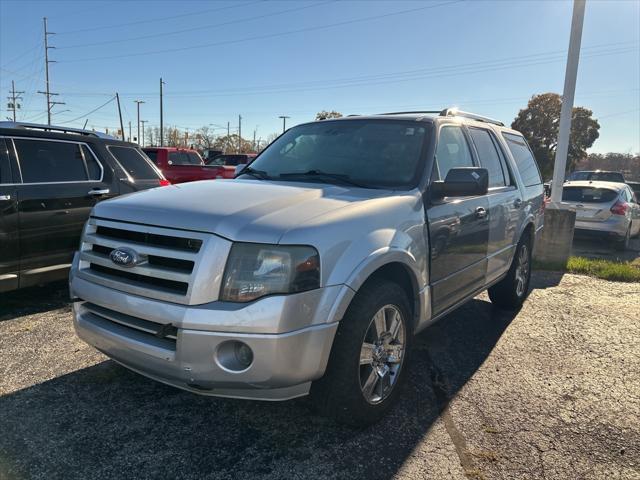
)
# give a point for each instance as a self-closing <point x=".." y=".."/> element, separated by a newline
<point x="552" y="392"/>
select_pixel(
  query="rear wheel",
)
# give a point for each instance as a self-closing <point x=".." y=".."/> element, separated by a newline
<point x="623" y="243"/>
<point x="368" y="357"/>
<point x="513" y="289"/>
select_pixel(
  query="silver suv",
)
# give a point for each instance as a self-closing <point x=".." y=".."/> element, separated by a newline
<point x="312" y="271"/>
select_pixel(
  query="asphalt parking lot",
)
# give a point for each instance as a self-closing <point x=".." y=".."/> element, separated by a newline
<point x="550" y="392"/>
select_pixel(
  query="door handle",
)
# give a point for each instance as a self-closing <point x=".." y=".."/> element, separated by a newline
<point x="517" y="203"/>
<point x="481" y="212"/>
<point x="5" y="197"/>
<point x="98" y="191"/>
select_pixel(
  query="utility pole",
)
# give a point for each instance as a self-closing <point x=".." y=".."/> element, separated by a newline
<point x="254" y="139"/>
<point x="239" y="133"/>
<point x="47" y="93"/>
<point x="129" y="130"/>
<point x="568" y="94"/>
<point x="161" y="117"/>
<point x="120" y="115"/>
<point x="554" y="245"/>
<point x="138" y="102"/>
<point x="15" y="96"/>
<point x="143" y="122"/>
<point x="284" y="122"/>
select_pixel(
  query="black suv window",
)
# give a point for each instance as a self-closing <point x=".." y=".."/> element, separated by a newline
<point x="93" y="168"/>
<point x="524" y="159"/>
<point x="43" y="161"/>
<point x="134" y="162"/>
<point x="489" y="158"/>
<point x="5" y="172"/>
<point x="452" y="151"/>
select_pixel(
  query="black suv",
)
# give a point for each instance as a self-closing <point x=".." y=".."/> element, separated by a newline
<point x="50" y="178"/>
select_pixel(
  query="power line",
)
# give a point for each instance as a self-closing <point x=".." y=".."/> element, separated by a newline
<point x="271" y="35"/>
<point x="92" y="111"/>
<point x="203" y="27"/>
<point x="154" y="20"/>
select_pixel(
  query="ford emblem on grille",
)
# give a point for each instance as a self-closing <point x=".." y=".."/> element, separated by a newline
<point x="125" y="257"/>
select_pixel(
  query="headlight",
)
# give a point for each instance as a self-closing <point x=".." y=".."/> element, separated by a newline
<point x="255" y="270"/>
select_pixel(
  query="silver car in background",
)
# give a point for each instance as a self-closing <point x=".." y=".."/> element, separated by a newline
<point x="606" y="209"/>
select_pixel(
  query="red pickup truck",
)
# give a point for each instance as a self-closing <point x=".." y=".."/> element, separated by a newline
<point x="181" y="165"/>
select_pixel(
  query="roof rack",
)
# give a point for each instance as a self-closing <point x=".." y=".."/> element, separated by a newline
<point x="53" y="128"/>
<point x="454" y="112"/>
<point x="411" y="112"/>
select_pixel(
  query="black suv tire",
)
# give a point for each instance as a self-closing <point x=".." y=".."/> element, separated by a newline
<point x="511" y="292"/>
<point x="340" y="393"/>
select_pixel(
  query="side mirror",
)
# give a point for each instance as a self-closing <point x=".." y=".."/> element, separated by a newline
<point x="462" y="182"/>
<point x="239" y="168"/>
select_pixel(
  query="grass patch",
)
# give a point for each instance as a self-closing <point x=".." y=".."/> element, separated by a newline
<point x="605" y="269"/>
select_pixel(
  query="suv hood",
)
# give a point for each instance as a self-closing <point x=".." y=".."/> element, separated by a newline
<point x="240" y="210"/>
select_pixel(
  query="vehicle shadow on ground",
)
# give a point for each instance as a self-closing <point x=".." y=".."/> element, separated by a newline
<point x="33" y="300"/>
<point x="107" y="422"/>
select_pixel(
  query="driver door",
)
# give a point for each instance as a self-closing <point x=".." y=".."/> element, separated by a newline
<point x="458" y="228"/>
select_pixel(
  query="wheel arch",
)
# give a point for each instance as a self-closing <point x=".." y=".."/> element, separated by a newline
<point x="397" y="266"/>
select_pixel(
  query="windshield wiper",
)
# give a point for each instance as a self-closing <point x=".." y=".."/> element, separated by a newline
<point x="320" y="175"/>
<point x="259" y="174"/>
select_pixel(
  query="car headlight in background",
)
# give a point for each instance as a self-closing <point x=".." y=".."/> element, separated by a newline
<point x="254" y="270"/>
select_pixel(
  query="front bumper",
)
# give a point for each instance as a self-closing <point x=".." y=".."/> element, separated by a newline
<point x="284" y="364"/>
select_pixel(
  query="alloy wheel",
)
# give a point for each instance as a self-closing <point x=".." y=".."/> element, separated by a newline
<point x="382" y="354"/>
<point x="522" y="270"/>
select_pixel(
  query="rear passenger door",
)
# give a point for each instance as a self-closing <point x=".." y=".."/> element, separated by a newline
<point x="9" y="253"/>
<point x="458" y="228"/>
<point x="61" y="181"/>
<point x="505" y="202"/>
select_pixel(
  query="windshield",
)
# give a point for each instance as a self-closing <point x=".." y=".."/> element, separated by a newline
<point x="373" y="153"/>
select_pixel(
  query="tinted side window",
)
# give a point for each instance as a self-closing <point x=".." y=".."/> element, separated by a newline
<point x="194" y="159"/>
<point x="489" y="158"/>
<point x="5" y="168"/>
<point x="93" y="168"/>
<point x="134" y="162"/>
<point x="48" y="161"/>
<point x="153" y="155"/>
<point x="452" y="151"/>
<point x="524" y="159"/>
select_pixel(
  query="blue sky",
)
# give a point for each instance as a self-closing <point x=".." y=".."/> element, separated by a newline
<point x="262" y="59"/>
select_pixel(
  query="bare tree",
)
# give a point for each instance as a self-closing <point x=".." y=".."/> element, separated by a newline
<point x="205" y="137"/>
<point x="324" y="115"/>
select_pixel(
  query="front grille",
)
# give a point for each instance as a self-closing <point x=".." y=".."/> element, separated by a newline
<point x="159" y="335"/>
<point x="177" y="264"/>
<point x="143" y="280"/>
<point x="166" y="260"/>
<point x="145" y="238"/>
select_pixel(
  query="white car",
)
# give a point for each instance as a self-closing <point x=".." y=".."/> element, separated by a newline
<point x="605" y="209"/>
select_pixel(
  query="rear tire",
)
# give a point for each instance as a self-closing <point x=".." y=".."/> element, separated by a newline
<point x="511" y="292"/>
<point x="368" y="358"/>
<point x="622" y="244"/>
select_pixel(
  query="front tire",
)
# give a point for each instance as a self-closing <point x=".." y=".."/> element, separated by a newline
<point x="368" y="358"/>
<point x="511" y="292"/>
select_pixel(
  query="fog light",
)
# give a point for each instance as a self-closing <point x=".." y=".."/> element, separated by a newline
<point x="234" y="356"/>
<point x="244" y="355"/>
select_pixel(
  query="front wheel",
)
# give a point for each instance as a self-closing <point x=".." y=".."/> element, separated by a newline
<point x="368" y="357"/>
<point x="512" y="290"/>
